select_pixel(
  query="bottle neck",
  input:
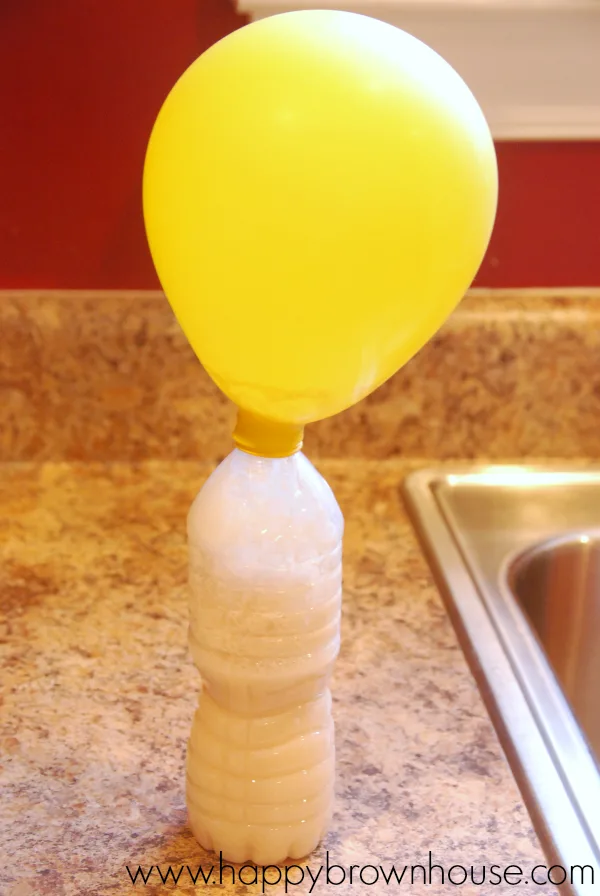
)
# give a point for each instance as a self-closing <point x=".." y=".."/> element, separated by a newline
<point x="266" y="438"/>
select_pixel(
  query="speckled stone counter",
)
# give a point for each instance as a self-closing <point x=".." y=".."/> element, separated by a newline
<point x="98" y="690"/>
<point x="110" y="376"/>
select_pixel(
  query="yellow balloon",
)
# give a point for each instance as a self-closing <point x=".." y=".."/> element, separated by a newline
<point x="319" y="191"/>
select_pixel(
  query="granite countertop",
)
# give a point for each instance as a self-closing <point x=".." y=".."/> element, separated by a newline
<point x="99" y="690"/>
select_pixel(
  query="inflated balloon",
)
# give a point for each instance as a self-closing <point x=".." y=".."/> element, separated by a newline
<point x="319" y="191"/>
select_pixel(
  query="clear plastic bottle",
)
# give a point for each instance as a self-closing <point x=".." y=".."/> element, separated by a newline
<point x="265" y="542"/>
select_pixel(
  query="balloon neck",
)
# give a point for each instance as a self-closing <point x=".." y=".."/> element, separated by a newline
<point x="266" y="438"/>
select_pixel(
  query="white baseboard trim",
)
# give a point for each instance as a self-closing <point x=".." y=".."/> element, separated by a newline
<point x="534" y="65"/>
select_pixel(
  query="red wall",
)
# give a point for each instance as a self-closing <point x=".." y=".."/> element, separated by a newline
<point x="547" y="231"/>
<point x="82" y="82"/>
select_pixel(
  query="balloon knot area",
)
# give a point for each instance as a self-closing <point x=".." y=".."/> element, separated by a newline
<point x="266" y="438"/>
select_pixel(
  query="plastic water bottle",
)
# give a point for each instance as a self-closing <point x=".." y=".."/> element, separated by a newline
<point x="265" y="542"/>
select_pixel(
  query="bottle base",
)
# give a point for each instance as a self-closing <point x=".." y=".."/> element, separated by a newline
<point x="257" y="844"/>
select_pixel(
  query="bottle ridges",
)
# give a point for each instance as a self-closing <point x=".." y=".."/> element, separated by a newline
<point x="261" y="755"/>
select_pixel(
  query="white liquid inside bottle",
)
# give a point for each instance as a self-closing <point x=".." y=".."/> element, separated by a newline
<point x="265" y="542"/>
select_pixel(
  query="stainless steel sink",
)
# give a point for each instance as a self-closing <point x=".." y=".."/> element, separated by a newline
<point x="516" y="553"/>
<point x="558" y="585"/>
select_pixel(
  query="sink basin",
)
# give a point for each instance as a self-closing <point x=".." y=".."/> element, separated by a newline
<point x="557" y="584"/>
<point x="516" y="553"/>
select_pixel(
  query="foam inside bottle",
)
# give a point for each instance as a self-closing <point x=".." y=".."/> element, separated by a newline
<point x="265" y="544"/>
